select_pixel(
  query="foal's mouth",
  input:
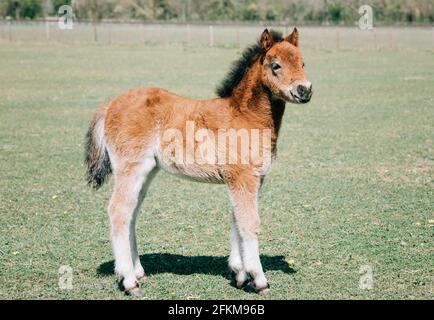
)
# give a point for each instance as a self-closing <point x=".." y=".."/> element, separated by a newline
<point x="296" y="99"/>
<point x="299" y="91"/>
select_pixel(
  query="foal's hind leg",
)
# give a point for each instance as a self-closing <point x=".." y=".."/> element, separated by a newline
<point x="138" y="268"/>
<point x="245" y="204"/>
<point x="129" y="179"/>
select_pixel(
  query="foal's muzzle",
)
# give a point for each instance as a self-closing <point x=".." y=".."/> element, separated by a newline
<point x="304" y="93"/>
<point x="300" y="92"/>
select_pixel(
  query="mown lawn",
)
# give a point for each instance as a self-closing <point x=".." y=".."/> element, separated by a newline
<point x="352" y="185"/>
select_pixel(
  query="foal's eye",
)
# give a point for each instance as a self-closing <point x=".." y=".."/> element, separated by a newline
<point x="275" y="66"/>
<point x="303" y="65"/>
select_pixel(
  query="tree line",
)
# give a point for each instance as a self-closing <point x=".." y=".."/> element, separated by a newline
<point x="296" y="11"/>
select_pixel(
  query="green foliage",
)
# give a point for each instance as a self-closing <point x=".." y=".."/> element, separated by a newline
<point x="23" y="8"/>
<point x="163" y="11"/>
<point x="31" y="8"/>
<point x="336" y="11"/>
<point x="251" y="11"/>
<point x="271" y="15"/>
<point x="220" y="10"/>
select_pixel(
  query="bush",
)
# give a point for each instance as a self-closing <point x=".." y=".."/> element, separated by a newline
<point x="251" y="12"/>
<point x="336" y="12"/>
<point x="24" y="8"/>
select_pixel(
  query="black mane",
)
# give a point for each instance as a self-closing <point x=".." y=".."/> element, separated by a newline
<point x="239" y="67"/>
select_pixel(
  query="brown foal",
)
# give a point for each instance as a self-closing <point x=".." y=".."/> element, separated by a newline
<point x="147" y="129"/>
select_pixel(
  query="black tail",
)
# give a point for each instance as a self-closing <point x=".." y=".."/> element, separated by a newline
<point x="96" y="156"/>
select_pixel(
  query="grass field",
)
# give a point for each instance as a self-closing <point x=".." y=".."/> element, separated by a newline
<point x="352" y="185"/>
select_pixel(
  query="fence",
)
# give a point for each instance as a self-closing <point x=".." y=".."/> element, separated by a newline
<point x="215" y="35"/>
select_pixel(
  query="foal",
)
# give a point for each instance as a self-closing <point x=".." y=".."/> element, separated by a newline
<point x="131" y="137"/>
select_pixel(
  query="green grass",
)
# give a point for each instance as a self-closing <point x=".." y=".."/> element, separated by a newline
<point x="352" y="184"/>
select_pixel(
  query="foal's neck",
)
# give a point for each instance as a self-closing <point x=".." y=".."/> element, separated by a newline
<point x="255" y="101"/>
<point x="250" y="95"/>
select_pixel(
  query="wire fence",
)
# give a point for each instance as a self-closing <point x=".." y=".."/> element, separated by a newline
<point x="325" y="37"/>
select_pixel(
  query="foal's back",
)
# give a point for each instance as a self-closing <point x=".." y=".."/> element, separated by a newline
<point x="137" y="123"/>
<point x="136" y="112"/>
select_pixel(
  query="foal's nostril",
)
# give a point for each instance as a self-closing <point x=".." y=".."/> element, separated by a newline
<point x="304" y="93"/>
<point x="301" y="90"/>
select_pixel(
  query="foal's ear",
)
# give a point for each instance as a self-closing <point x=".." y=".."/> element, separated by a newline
<point x="293" y="37"/>
<point x="266" y="40"/>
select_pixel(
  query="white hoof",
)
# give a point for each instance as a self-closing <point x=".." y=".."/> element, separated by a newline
<point x="140" y="273"/>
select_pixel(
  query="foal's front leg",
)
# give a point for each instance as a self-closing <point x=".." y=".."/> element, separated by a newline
<point x="244" y="196"/>
<point x="235" y="258"/>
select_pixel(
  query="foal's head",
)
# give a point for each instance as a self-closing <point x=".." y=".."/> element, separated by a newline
<point x="282" y="68"/>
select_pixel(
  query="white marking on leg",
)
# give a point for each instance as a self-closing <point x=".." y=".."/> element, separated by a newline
<point x="123" y="205"/>
<point x="150" y="168"/>
<point x="247" y="220"/>
<point x="123" y="262"/>
<point x="138" y="268"/>
<point x="251" y="260"/>
<point x="235" y="258"/>
<point x="235" y="262"/>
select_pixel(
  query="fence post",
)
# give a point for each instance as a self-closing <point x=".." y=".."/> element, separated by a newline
<point x="142" y="32"/>
<point x="47" y="30"/>
<point x="433" y="36"/>
<point x="211" y="36"/>
<point x="188" y="33"/>
<point x="237" y="35"/>
<point x="375" y="40"/>
<point x="392" y="40"/>
<point x="110" y="32"/>
<point x="338" y="39"/>
<point x="321" y="37"/>
<point x="95" y="33"/>
<point x="10" y="30"/>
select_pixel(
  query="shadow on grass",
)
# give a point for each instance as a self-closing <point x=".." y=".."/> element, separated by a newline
<point x="155" y="263"/>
